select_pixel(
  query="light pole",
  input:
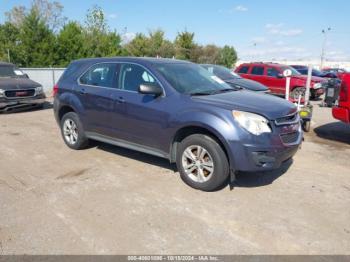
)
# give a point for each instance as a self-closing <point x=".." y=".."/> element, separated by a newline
<point x="17" y="42"/>
<point x="8" y="55"/>
<point x="324" y="32"/>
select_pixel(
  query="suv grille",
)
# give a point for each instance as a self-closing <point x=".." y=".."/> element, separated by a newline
<point x="20" y="93"/>
<point x="290" y="119"/>
<point x="290" y="138"/>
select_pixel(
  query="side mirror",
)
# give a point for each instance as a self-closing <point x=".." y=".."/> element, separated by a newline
<point x="280" y="75"/>
<point x="150" y="89"/>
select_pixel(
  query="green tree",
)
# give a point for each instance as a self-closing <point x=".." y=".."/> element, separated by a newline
<point x="228" y="56"/>
<point x="184" y="43"/>
<point x="50" y="12"/>
<point x="37" y="42"/>
<point x="210" y="54"/>
<point x="138" y="46"/>
<point x="10" y="43"/>
<point x="99" y="41"/>
<point x="70" y="43"/>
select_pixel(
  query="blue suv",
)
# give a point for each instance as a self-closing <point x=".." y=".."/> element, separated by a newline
<point x="179" y="111"/>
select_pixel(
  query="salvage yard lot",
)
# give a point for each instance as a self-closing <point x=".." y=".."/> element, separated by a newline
<point x="109" y="200"/>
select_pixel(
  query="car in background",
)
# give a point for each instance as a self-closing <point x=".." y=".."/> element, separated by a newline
<point x="235" y="80"/>
<point x="176" y="110"/>
<point x="304" y="71"/>
<point x="339" y="72"/>
<point x="271" y="75"/>
<point x="342" y="110"/>
<point x="17" y="91"/>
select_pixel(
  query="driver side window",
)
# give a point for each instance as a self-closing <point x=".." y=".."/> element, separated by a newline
<point x="132" y="76"/>
<point x="272" y="72"/>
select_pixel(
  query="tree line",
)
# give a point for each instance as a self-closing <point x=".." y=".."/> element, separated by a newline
<point x="39" y="36"/>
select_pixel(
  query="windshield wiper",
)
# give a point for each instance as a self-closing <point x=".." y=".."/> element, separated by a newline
<point x="224" y="90"/>
<point x="201" y="93"/>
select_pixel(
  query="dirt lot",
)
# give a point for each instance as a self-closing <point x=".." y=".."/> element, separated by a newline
<point x="108" y="200"/>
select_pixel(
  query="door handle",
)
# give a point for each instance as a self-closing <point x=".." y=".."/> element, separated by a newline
<point x="120" y="100"/>
<point x="82" y="91"/>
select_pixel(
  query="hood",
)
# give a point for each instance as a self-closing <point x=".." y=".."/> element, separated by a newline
<point x="246" y="84"/>
<point x="314" y="79"/>
<point x="267" y="105"/>
<point x="17" y="83"/>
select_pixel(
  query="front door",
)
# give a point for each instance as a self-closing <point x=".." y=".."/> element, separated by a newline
<point x="145" y="119"/>
<point x="275" y="81"/>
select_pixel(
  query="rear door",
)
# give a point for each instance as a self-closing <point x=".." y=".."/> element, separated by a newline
<point x="276" y="83"/>
<point x="257" y="74"/>
<point x="94" y="90"/>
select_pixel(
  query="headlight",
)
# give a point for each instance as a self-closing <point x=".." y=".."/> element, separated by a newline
<point x="253" y="123"/>
<point x="2" y="93"/>
<point x="318" y="85"/>
<point x="39" y="90"/>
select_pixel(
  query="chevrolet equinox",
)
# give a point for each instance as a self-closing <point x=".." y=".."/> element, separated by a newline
<point x="179" y="111"/>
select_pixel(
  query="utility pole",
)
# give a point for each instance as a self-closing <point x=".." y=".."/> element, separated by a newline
<point x="8" y="55"/>
<point x="323" y="52"/>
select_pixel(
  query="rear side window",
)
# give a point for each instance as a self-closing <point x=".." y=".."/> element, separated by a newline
<point x="99" y="75"/>
<point x="273" y="72"/>
<point x="243" y="70"/>
<point x="258" y="70"/>
<point x="70" y="70"/>
<point x="132" y="76"/>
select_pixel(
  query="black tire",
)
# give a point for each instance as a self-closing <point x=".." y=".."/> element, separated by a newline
<point x="216" y="154"/>
<point x="306" y="125"/>
<point x="81" y="141"/>
<point x="298" y="91"/>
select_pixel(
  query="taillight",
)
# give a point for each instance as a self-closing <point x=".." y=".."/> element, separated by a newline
<point x="343" y="95"/>
<point x="55" y="90"/>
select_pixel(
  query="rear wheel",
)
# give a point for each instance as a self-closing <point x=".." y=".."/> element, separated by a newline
<point x="72" y="131"/>
<point x="202" y="163"/>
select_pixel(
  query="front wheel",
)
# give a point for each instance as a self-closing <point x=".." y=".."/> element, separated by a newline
<point x="298" y="91"/>
<point x="202" y="163"/>
<point x="306" y="125"/>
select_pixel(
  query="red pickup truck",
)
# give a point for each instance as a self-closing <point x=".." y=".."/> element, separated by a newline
<point x="271" y="75"/>
<point x="342" y="111"/>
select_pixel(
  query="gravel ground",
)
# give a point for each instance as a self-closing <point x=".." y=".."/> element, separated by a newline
<point x="109" y="200"/>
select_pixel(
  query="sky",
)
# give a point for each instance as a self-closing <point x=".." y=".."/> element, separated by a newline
<point x="259" y="30"/>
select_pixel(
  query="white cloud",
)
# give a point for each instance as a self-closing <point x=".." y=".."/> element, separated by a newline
<point x="112" y="16"/>
<point x="291" y="32"/>
<point x="274" y="26"/>
<point x="128" y="37"/>
<point x="279" y="29"/>
<point x="275" y="53"/>
<point x="241" y="8"/>
<point x="259" y="40"/>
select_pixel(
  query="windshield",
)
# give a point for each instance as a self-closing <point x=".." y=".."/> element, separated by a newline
<point x="192" y="79"/>
<point x="294" y="71"/>
<point x="221" y="71"/>
<point x="10" y="71"/>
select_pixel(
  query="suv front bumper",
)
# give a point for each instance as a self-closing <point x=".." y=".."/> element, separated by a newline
<point x="266" y="156"/>
<point x="12" y="104"/>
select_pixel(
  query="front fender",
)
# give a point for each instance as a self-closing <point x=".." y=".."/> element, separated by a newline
<point x="220" y="124"/>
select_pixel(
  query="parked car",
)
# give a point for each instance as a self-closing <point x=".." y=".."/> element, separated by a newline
<point x="271" y="75"/>
<point x="304" y="71"/>
<point x="339" y="72"/>
<point x="17" y="91"/>
<point x="235" y="80"/>
<point x="175" y="110"/>
<point x="342" y="111"/>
